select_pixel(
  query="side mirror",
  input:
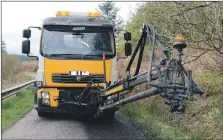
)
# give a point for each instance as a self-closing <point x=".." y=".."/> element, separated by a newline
<point x="26" y="33"/>
<point x="26" y="47"/>
<point x="127" y="36"/>
<point x="128" y="49"/>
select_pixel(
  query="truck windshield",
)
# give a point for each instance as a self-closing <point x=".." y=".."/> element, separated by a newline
<point x="75" y="41"/>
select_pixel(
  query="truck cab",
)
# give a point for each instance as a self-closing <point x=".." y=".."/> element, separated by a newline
<point x="77" y="50"/>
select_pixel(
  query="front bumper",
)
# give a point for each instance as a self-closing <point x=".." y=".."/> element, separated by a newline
<point x="65" y="101"/>
<point x="66" y="108"/>
<point x="51" y="110"/>
<point x="44" y="108"/>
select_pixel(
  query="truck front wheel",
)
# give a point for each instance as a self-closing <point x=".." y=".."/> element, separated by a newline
<point x="108" y="115"/>
<point x="42" y="114"/>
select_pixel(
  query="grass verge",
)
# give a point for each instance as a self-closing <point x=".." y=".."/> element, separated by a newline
<point x="202" y="119"/>
<point x="139" y="113"/>
<point x="14" y="108"/>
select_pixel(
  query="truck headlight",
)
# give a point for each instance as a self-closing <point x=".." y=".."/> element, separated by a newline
<point x="45" y="98"/>
<point x="45" y="95"/>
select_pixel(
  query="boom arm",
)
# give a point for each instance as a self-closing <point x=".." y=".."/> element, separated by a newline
<point x="173" y="82"/>
<point x="168" y="78"/>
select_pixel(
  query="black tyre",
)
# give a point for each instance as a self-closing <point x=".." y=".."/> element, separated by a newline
<point x="108" y="115"/>
<point x="43" y="114"/>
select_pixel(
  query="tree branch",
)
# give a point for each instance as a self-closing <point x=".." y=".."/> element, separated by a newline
<point x="213" y="46"/>
<point x="196" y="57"/>
<point x="200" y="48"/>
<point x="193" y="8"/>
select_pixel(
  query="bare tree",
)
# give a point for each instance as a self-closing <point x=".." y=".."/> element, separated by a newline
<point x="200" y="22"/>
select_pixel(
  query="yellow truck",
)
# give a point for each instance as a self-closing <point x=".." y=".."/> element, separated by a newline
<point x="78" y="70"/>
<point x="77" y="50"/>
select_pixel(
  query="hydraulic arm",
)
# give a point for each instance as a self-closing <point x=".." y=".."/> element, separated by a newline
<point x="168" y="77"/>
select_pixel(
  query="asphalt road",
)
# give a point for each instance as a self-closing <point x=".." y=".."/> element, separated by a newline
<point x="31" y="126"/>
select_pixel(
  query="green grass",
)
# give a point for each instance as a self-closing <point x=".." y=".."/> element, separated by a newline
<point x="147" y="117"/>
<point x="213" y="81"/>
<point x="14" y="108"/>
<point x="200" y="121"/>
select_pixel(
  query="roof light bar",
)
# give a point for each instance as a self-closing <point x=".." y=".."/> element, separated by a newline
<point x="94" y="14"/>
<point x="62" y="13"/>
<point x="87" y="14"/>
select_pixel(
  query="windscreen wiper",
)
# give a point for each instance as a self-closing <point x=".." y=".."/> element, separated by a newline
<point x="97" y="54"/>
<point x="63" y="55"/>
<point x="91" y="55"/>
<point x="82" y="56"/>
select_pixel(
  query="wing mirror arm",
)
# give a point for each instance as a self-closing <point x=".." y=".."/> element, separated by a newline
<point x="32" y="56"/>
<point x="34" y="27"/>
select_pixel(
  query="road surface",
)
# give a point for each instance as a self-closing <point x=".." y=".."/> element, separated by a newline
<point x="31" y="126"/>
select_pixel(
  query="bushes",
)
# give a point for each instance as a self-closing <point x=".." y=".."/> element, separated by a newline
<point x="11" y="65"/>
<point x="203" y="34"/>
<point x="14" y="71"/>
<point x="194" y="20"/>
<point x="31" y="66"/>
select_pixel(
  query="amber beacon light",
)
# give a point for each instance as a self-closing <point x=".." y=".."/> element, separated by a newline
<point x="69" y="13"/>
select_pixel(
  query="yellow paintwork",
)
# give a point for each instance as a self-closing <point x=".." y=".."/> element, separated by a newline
<point x="54" y="94"/>
<point x="64" y="66"/>
<point x="118" y="88"/>
<point x="39" y="94"/>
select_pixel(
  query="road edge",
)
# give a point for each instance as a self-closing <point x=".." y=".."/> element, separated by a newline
<point x="2" y="131"/>
<point x="143" y="132"/>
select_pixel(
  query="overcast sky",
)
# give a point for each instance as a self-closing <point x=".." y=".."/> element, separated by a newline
<point x="17" y="16"/>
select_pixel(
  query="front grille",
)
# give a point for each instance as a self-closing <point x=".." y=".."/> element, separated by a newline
<point x="65" y="78"/>
<point x="89" y="96"/>
<point x="69" y="100"/>
<point x="67" y="93"/>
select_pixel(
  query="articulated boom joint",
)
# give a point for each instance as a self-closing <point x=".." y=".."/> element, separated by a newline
<point x="169" y="78"/>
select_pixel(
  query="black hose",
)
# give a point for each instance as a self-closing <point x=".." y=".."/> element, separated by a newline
<point x="140" y="54"/>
